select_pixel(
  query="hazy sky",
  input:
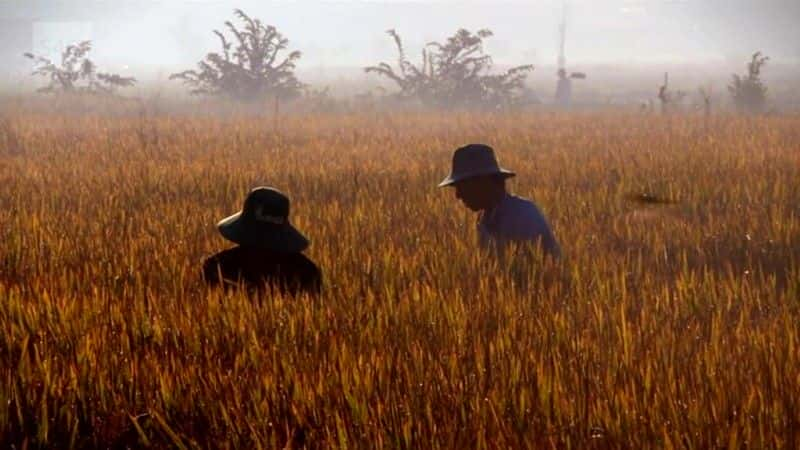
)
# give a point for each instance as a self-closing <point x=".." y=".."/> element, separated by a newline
<point x="167" y="34"/>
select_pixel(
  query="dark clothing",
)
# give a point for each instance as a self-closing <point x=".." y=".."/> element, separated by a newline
<point x="257" y="268"/>
<point x="516" y="219"/>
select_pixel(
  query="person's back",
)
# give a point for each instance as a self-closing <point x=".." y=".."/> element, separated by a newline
<point x="269" y="254"/>
<point x="516" y="219"/>
<point x="505" y="219"/>
<point x="256" y="268"/>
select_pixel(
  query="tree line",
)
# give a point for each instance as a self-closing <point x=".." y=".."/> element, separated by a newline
<point x="255" y="63"/>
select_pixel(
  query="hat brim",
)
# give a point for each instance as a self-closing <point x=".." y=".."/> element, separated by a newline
<point x="455" y="178"/>
<point x="280" y="238"/>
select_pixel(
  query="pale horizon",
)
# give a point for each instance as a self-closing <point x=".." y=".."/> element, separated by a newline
<point x="168" y="35"/>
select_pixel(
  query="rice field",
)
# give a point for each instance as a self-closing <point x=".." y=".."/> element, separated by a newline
<point x="664" y="326"/>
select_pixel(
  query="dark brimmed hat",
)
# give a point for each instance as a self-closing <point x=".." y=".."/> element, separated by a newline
<point x="474" y="160"/>
<point x="264" y="222"/>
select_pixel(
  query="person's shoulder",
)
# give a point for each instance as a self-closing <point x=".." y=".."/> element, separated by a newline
<point x="520" y="202"/>
<point x="521" y="219"/>
<point x="224" y="260"/>
<point x="524" y="221"/>
<point x="302" y="273"/>
<point x="302" y="262"/>
<point x="224" y="256"/>
<point x="524" y="210"/>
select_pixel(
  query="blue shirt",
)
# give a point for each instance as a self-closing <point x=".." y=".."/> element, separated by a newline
<point x="516" y="219"/>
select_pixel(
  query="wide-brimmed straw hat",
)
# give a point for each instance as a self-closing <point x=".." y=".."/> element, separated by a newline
<point x="474" y="160"/>
<point x="264" y="222"/>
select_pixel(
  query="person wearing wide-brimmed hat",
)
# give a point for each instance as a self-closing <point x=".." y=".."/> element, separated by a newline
<point x="269" y="251"/>
<point x="480" y="183"/>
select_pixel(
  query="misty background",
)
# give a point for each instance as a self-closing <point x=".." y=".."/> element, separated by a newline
<point x="615" y="41"/>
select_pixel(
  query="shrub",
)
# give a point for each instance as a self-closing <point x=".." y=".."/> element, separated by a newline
<point x="669" y="99"/>
<point x="749" y="92"/>
<point x="248" y="69"/>
<point x="454" y="73"/>
<point x="76" y="73"/>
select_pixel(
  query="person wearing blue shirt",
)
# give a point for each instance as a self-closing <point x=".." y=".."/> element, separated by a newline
<point x="480" y="183"/>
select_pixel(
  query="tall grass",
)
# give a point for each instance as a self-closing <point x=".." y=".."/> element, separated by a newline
<point x="664" y="326"/>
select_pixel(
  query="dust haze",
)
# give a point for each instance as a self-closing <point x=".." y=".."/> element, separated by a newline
<point x="614" y="40"/>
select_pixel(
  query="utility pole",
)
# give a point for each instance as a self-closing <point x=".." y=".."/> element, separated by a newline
<point x="562" y="37"/>
<point x="563" y="97"/>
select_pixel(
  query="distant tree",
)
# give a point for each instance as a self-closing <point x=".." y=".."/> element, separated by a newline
<point x="749" y="92"/>
<point x="454" y="73"/>
<point x="706" y="95"/>
<point x="320" y="100"/>
<point x="249" y="68"/>
<point x="76" y="73"/>
<point x="669" y="99"/>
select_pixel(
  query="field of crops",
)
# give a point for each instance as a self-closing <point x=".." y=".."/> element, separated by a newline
<point x="664" y="325"/>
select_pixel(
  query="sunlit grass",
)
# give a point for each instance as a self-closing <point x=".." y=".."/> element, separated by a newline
<point x="666" y="326"/>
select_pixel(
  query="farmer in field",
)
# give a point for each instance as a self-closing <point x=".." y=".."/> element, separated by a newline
<point x="480" y="183"/>
<point x="269" y="251"/>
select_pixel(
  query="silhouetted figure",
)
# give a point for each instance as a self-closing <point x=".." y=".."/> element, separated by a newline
<point x="563" y="89"/>
<point x="269" y="251"/>
<point x="479" y="183"/>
